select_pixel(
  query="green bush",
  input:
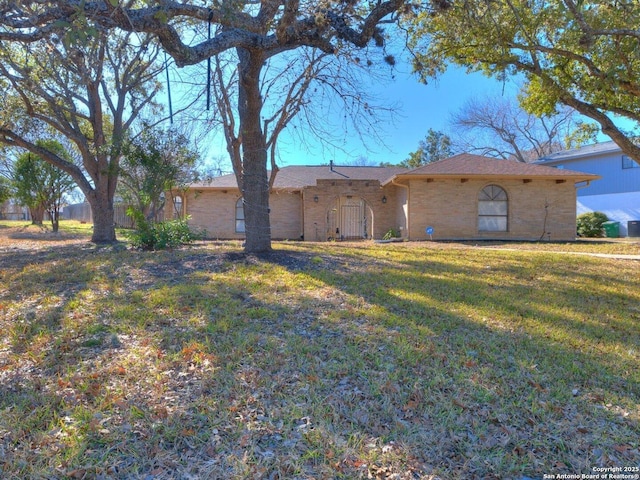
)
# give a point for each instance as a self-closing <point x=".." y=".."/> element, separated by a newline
<point x="590" y="224"/>
<point x="391" y="234"/>
<point x="160" y="236"/>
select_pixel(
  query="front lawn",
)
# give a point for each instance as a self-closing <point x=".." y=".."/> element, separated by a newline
<point x="358" y="360"/>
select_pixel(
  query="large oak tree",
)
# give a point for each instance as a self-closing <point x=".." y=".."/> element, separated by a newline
<point x="85" y="84"/>
<point x="256" y="31"/>
<point x="580" y="53"/>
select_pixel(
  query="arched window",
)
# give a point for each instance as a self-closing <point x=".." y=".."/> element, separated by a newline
<point x="492" y="209"/>
<point x="240" y="215"/>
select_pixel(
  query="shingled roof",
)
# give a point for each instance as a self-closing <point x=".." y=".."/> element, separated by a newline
<point x="468" y="165"/>
<point x="296" y="177"/>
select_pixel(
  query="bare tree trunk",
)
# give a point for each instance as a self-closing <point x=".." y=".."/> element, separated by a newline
<point x="255" y="183"/>
<point x="37" y="214"/>
<point x="54" y="215"/>
<point x="104" y="230"/>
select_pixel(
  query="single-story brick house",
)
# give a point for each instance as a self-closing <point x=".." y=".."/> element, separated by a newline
<point x="462" y="197"/>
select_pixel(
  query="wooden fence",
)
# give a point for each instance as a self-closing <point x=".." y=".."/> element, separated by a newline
<point x="82" y="213"/>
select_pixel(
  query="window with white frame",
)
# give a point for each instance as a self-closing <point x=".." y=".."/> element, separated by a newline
<point x="493" y="209"/>
<point x="240" y="216"/>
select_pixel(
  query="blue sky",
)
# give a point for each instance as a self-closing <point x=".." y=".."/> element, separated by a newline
<point x="420" y="107"/>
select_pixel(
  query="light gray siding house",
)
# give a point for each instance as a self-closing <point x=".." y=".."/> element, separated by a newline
<point x="617" y="193"/>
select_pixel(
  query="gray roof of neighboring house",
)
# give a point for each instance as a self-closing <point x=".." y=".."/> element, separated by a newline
<point x="582" y="152"/>
<point x="298" y="176"/>
<point x="468" y="165"/>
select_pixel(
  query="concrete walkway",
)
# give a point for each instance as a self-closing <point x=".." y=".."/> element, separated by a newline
<point x="606" y="255"/>
<point x="617" y="256"/>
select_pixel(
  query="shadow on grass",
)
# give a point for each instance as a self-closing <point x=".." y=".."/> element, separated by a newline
<point x="298" y="364"/>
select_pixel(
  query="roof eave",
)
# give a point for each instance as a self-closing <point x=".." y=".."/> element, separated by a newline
<point x="578" y="156"/>
<point x="235" y="187"/>
<point x="576" y="178"/>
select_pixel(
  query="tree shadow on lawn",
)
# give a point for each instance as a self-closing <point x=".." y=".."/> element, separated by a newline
<point x="464" y="397"/>
<point x="186" y="364"/>
<point x="49" y="237"/>
<point x="571" y="296"/>
<point x="90" y="356"/>
<point x="577" y="358"/>
<point x="40" y="284"/>
<point x="529" y="397"/>
<point x="29" y="231"/>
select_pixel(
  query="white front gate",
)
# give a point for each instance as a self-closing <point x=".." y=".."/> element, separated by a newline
<point x="348" y="219"/>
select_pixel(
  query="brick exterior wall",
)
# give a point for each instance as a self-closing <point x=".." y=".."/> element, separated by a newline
<point x="380" y="216"/>
<point x="286" y="215"/>
<point x="215" y="210"/>
<point x="451" y="207"/>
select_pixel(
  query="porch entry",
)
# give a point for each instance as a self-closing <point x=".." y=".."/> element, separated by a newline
<point x="350" y="218"/>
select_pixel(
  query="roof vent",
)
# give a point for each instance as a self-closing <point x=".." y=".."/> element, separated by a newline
<point x="331" y="165"/>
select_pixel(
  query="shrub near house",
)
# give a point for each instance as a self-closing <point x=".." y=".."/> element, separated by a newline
<point x="590" y="224"/>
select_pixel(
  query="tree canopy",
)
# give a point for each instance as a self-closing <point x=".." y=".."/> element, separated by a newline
<point x="85" y="84"/>
<point x="580" y="53"/>
<point x="40" y="185"/>
<point x="499" y="127"/>
<point x="254" y="31"/>
<point x="435" y="146"/>
<point x="5" y="189"/>
<point x="155" y="162"/>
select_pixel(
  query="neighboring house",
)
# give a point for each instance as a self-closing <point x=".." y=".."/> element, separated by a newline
<point x="463" y="197"/>
<point x="617" y="194"/>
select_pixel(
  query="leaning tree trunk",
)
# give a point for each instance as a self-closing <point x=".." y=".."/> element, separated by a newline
<point x="255" y="184"/>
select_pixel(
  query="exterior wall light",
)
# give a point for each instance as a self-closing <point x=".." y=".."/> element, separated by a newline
<point x="384" y="199"/>
<point x="315" y="198"/>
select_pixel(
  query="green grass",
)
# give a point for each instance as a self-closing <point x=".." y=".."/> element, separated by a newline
<point x="621" y="246"/>
<point x="65" y="226"/>
<point x="318" y="361"/>
<point x="67" y="229"/>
